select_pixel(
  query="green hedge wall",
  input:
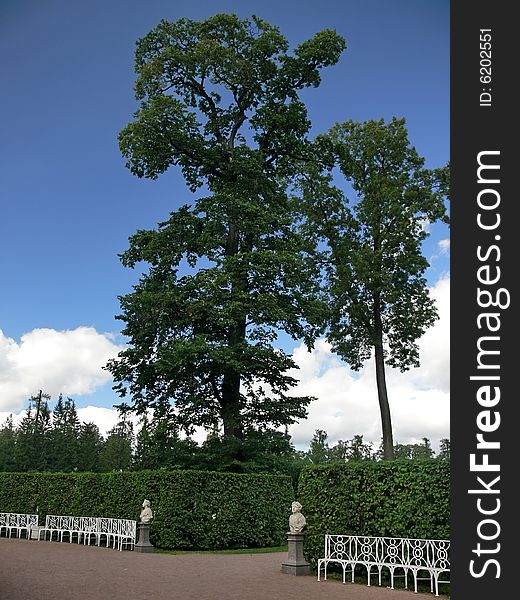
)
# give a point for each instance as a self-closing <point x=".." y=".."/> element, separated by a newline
<point x="401" y="498"/>
<point x="196" y="510"/>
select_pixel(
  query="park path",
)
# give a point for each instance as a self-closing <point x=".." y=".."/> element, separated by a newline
<point x="32" y="570"/>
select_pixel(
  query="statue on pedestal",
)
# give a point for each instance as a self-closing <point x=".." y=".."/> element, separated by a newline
<point x="146" y="514"/>
<point x="295" y="564"/>
<point x="296" y="520"/>
<point x="144" y="545"/>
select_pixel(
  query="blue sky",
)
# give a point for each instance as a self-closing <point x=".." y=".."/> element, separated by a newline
<point x="68" y="204"/>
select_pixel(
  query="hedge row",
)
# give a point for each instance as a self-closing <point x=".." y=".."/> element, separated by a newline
<point x="197" y="510"/>
<point x="401" y="498"/>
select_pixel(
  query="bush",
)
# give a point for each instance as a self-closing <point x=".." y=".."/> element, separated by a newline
<point x="193" y="510"/>
<point x="401" y="498"/>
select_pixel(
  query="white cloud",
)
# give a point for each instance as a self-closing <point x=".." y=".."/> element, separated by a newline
<point x="68" y="362"/>
<point x="425" y="225"/>
<point x="104" y="418"/>
<point x="444" y="246"/>
<point x="347" y="402"/>
<point x="346" y="405"/>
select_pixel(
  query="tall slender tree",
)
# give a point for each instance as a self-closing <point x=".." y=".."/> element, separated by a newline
<point x="33" y="435"/>
<point x="63" y="436"/>
<point x="380" y="305"/>
<point x="220" y="99"/>
<point x="90" y="445"/>
<point x="8" y="445"/>
<point x="117" y="451"/>
<point x="444" y="449"/>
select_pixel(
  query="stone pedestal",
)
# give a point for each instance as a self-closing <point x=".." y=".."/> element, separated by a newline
<point x="295" y="563"/>
<point x="143" y="544"/>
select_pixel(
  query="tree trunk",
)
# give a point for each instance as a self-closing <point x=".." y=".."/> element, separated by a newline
<point x="230" y="398"/>
<point x="230" y="411"/>
<point x="384" y="407"/>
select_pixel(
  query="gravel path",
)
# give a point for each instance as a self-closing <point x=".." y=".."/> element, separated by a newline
<point x="32" y="570"/>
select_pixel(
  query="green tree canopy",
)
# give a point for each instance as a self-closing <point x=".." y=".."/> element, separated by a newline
<point x="219" y="99"/>
<point x="32" y="436"/>
<point x="90" y="445"/>
<point x="63" y="436"/>
<point x="8" y="445"/>
<point x="116" y="453"/>
<point x="380" y="305"/>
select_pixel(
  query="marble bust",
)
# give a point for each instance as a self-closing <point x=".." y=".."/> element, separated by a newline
<point x="296" y="520"/>
<point x="146" y="514"/>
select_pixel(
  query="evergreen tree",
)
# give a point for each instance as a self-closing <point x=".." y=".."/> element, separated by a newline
<point x="143" y="457"/>
<point x="32" y="435"/>
<point x="90" y="445"/>
<point x="8" y="445"/>
<point x="117" y="451"/>
<point x="63" y="436"/>
<point x="159" y="444"/>
<point x="444" y="449"/>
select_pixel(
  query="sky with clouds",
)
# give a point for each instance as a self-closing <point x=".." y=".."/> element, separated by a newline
<point x="69" y="205"/>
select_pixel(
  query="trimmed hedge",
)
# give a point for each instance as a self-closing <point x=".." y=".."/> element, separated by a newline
<point x="401" y="498"/>
<point x="193" y="510"/>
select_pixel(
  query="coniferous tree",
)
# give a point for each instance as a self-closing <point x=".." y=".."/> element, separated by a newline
<point x="143" y="456"/>
<point x="117" y="451"/>
<point x="90" y="445"/>
<point x="444" y="449"/>
<point x="8" y="445"/>
<point x="63" y="436"/>
<point x="159" y="444"/>
<point x="33" y="435"/>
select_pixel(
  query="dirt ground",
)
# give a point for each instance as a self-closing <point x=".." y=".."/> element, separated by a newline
<point x="39" y="570"/>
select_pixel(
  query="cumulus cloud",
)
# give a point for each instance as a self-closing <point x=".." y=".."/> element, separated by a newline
<point x="68" y="362"/>
<point x="347" y="403"/>
<point x="444" y="246"/>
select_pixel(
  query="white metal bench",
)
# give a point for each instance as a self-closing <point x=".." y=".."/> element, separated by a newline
<point x="417" y="556"/>
<point x="17" y="522"/>
<point x="117" y="533"/>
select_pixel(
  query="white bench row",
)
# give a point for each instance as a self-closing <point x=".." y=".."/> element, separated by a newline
<point x="16" y="522"/>
<point x="115" y="532"/>
<point x="417" y="556"/>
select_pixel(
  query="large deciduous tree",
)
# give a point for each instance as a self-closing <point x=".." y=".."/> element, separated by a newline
<point x="219" y="100"/>
<point x="380" y="304"/>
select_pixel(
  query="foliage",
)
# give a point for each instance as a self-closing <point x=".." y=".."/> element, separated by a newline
<point x="33" y="435"/>
<point x="319" y="448"/>
<point x="116" y="453"/>
<point x="445" y="449"/>
<point x="194" y="510"/>
<point x="8" y="445"/>
<point x="343" y="451"/>
<point x="379" y="301"/>
<point x="90" y="444"/>
<point x="63" y="437"/>
<point x="220" y="99"/>
<point x="400" y="498"/>
<point x="159" y="444"/>
<point x="423" y="450"/>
